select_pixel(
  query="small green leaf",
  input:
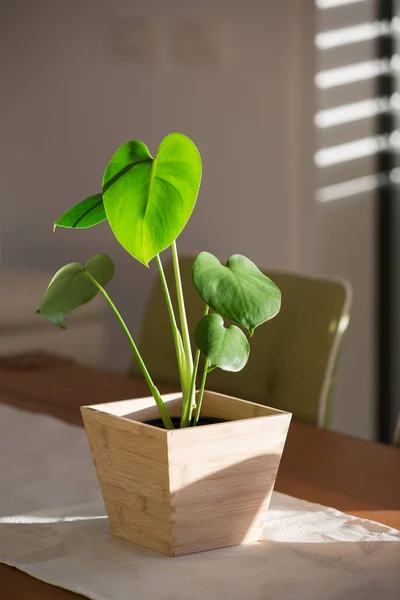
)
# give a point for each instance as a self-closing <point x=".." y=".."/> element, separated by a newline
<point x="87" y="213"/>
<point x="148" y="201"/>
<point x="225" y="347"/>
<point x="239" y="292"/>
<point x="71" y="288"/>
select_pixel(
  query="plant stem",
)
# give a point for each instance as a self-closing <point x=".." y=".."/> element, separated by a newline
<point x="181" y="306"/>
<point x="175" y="331"/>
<point x="201" y="393"/>
<point x="184" y="374"/>
<point x="156" y="394"/>
<point x="194" y="376"/>
<point x="187" y="398"/>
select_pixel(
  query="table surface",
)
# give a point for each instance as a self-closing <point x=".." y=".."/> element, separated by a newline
<point x="357" y="477"/>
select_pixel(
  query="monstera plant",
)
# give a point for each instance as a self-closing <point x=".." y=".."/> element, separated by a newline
<point x="147" y="202"/>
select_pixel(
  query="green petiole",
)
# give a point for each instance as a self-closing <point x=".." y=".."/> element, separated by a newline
<point x="187" y="368"/>
<point x="155" y="393"/>
<point x="201" y="393"/>
<point x="188" y="415"/>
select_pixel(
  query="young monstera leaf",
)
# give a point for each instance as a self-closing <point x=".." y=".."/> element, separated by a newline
<point x="87" y="213"/>
<point x="238" y="291"/>
<point x="224" y="347"/>
<point x="148" y="201"/>
<point x="71" y="288"/>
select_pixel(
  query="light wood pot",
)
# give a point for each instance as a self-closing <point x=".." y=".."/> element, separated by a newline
<point x="192" y="489"/>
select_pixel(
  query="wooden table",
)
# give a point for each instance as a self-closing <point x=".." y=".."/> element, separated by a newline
<point x="354" y="476"/>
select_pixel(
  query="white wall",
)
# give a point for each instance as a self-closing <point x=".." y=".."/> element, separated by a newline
<point x="76" y="84"/>
<point x="347" y="248"/>
<point x="346" y="225"/>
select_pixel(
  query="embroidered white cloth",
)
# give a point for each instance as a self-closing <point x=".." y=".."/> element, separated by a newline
<point x="53" y="526"/>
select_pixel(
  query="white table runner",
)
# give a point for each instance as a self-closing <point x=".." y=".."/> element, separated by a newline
<point x="53" y="526"/>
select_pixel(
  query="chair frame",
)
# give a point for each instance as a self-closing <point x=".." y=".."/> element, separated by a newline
<point x="333" y="357"/>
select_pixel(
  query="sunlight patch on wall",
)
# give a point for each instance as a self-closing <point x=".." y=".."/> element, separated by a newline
<point x="395" y="63"/>
<point x="394" y="140"/>
<point x="348" y="113"/>
<point x="352" y="35"/>
<point x="395" y="101"/>
<point x="351" y="150"/>
<point x="324" y="4"/>
<point x="350" y="188"/>
<point x="351" y="73"/>
<point x="394" y="175"/>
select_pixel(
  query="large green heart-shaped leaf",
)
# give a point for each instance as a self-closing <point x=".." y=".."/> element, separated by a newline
<point x="71" y="288"/>
<point x="225" y="347"/>
<point x="240" y="291"/>
<point x="87" y="213"/>
<point x="148" y="201"/>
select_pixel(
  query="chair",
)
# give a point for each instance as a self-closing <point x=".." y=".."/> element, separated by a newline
<point x="293" y="358"/>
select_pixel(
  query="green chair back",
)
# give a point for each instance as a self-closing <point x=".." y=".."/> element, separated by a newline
<point x="293" y="357"/>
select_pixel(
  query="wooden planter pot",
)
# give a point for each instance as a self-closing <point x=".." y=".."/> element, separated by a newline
<point x="192" y="489"/>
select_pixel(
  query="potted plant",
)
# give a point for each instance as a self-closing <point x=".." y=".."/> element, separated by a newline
<point x="190" y="471"/>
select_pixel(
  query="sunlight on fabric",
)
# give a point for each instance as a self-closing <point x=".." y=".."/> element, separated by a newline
<point x="35" y="519"/>
<point x="351" y="73"/>
<point x="350" y="188"/>
<point x="351" y="112"/>
<point x="324" y="4"/>
<point x="351" y="150"/>
<point x="352" y="35"/>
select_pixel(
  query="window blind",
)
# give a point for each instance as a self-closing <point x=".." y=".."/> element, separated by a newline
<point x="356" y="165"/>
<point x="348" y="67"/>
<point x="395" y="103"/>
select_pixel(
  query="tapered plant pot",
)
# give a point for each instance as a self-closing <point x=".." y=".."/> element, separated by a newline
<point x="186" y="490"/>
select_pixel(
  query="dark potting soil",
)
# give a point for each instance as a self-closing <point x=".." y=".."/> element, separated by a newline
<point x="176" y="422"/>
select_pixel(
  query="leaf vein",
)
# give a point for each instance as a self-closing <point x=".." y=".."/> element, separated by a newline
<point x="86" y="213"/>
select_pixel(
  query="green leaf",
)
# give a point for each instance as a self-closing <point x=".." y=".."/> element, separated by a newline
<point x="87" y="213"/>
<point x="148" y="201"/>
<point x="71" y="288"/>
<point x="240" y="291"/>
<point x="225" y="347"/>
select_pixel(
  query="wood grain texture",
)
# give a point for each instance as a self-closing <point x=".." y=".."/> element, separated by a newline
<point x="360" y="478"/>
<point x="132" y="466"/>
<point x="222" y="476"/>
<point x="186" y="490"/>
